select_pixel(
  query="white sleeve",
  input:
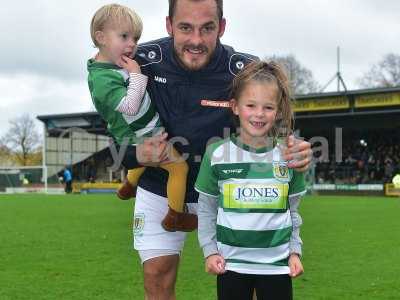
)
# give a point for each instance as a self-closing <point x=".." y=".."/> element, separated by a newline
<point x="295" y="243"/>
<point x="130" y="104"/>
<point x="207" y="230"/>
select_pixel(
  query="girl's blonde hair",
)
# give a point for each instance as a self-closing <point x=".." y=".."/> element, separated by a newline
<point x="269" y="72"/>
<point x="115" y="15"/>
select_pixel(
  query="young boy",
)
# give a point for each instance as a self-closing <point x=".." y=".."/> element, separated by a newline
<point x="118" y="91"/>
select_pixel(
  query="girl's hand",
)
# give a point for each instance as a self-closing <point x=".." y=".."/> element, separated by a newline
<point x="215" y="264"/>
<point x="298" y="153"/>
<point x="295" y="265"/>
<point x="129" y="64"/>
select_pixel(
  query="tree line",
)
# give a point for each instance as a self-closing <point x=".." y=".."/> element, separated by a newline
<point x="383" y="74"/>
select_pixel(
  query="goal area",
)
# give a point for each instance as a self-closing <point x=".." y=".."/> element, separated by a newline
<point x="28" y="179"/>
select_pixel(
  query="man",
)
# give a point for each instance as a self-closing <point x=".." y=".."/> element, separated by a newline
<point x="67" y="177"/>
<point x="189" y="79"/>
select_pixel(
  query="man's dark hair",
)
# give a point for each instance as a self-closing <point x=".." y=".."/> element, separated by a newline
<point x="172" y="6"/>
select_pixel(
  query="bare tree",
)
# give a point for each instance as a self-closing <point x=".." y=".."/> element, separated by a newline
<point x="4" y="154"/>
<point x="301" y="78"/>
<point x="22" y="138"/>
<point x="386" y="73"/>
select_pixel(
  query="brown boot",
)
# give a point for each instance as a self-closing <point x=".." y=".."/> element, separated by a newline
<point x="177" y="221"/>
<point x="126" y="191"/>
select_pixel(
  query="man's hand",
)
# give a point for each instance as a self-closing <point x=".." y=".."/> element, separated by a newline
<point x="215" y="264"/>
<point x="152" y="151"/>
<point x="129" y="64"/>
<point x="295" y="265"/>
<point x="298" y="153"/>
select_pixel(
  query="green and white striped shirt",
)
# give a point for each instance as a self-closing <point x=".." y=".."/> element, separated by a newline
<point x="108" y="85"/>
<point x="252" y="188"/>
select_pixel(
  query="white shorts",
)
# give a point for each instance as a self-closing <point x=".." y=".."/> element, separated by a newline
<point x="150" y="239"/>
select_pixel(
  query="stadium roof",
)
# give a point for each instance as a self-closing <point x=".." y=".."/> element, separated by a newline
<point x="90" y="121"/>
<point x="352" y="93"/>
<point x="44" y="118"/>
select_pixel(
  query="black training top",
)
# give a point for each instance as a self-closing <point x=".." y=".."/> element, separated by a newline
<point x="192" y="105"/>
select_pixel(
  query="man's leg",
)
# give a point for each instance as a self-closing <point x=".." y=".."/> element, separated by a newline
<point x="160" y="277"/>
<point x="68" y="187"/>
<point x="158" y="249"/>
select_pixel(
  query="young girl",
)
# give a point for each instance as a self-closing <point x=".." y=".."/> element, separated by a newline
<point x="118" y="91"/>
<point x="248" y="220"/>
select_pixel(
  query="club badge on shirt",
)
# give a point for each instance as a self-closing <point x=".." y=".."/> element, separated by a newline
<point x="281" y="171"/>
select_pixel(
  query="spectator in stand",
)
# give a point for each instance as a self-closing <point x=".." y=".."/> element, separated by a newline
<point x="375" y="160"/>
<point x="91" y="174"/>
<point x="388" y="170"/>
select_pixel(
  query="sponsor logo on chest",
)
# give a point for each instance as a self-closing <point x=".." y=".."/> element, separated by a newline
<point x="215" y="103"/>
<point x="255" y="196"/>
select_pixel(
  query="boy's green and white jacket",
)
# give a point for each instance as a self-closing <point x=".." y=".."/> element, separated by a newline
<point x="109" y="87"/>
<point x="248" y="207"/>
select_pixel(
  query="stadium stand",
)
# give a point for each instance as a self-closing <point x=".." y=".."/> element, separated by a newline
<point x="372" y="159"/>
<point x="355" y="135"/>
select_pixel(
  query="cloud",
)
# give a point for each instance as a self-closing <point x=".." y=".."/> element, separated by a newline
<point x="312" y="30"/>
<point x="45" y="47"/>
<point x="52" y="38"/>
<point x="45" y="43"/>
<point x="41" y="95"/>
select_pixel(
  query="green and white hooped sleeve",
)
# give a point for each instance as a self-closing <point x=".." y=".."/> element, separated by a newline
<point x="297" y="185"/>
<point x="130" y="104"/>
<point x="207" y="181"/>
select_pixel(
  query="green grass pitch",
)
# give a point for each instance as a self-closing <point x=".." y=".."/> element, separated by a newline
<point x="79" y="247"/>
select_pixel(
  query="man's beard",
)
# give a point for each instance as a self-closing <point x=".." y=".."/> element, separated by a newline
<point x="203" y="49"/>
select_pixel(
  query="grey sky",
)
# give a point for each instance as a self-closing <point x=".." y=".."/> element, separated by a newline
<point x="45" y="44"/>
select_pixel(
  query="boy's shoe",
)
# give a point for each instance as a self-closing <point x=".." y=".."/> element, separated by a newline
<point x="126" y="191"/>
<point x="177" y="221"/>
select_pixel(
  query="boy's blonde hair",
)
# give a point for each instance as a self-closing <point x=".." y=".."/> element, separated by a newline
<point x="115" y="15"/>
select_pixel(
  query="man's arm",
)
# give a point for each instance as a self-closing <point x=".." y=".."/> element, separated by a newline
<point x="150" y="153"/>
<point x="153" y="151"/>
<point x="298" y="153"/>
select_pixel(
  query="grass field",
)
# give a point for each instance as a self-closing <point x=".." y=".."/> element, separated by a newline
<point x="79" y="247"/>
